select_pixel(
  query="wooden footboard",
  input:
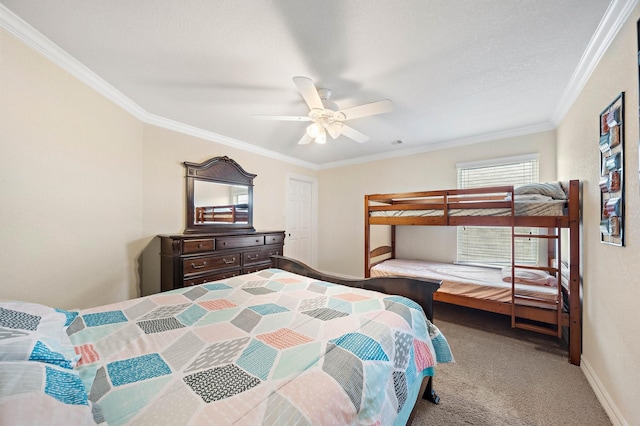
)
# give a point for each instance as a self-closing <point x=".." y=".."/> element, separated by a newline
<point x="419" y="290"/>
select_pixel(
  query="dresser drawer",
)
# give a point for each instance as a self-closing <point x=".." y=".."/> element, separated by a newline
<point x="212" y="277"/>
<point x="274" y="239"/>
<point x="197" y="246"/>
<point x="274" y="251"/>
<point x="239" y="242"/>
<point x="196" y="265"/>
<point x="197" y="258"/>
<point x="260" y="256"/>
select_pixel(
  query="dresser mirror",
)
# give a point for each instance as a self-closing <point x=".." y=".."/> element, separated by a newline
<point x="219" y="196"/>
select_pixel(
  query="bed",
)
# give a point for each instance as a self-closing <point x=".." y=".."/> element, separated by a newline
<point x="232" y="213"/>
<point x="477" y="282"/>
<point x="552" y="308"/>
<point x="279" y="346"/>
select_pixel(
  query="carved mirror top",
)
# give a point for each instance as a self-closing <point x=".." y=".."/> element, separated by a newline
<point x="219" y="197"/>
<point x="220" y="169"/>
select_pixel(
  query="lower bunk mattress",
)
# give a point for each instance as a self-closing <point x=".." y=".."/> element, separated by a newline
<point x="269" y="347"/>
<point x="475" y="282"/>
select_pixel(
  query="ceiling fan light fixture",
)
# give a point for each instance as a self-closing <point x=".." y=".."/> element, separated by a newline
<point x="314" y="130"/>
<point x="321" y="138"/>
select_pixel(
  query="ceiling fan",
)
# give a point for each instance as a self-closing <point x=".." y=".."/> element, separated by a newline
<point x="325" y="115"/>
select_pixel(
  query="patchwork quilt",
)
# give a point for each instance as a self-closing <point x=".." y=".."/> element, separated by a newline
<point x="270" y="347"/>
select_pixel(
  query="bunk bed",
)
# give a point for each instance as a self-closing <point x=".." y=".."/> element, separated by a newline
<point x="553" y="308"/>
<point x="232" y="213"/>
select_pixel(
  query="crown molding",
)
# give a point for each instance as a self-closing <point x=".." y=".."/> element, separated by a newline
<point x="616" y="15"/>
<point x="37" y="41"/>
<point x="445" y="144"/>
<point x="40" y="43"/>
<point x="197" y="132"/>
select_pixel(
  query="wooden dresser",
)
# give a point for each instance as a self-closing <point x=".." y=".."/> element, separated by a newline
<point x="190" y="259"/>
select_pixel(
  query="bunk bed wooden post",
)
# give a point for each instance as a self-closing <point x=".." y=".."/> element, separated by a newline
<point x="367" y="238"/>
<point x="575" y="299"/>
<point x="513" y="259"/>
<point x="551" y="250"/>
<point x="393" y="241"/>
<point x="559" y="277"/>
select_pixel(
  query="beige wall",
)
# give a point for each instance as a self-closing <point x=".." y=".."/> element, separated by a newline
<point x="70" y="185"/>
<point x="341" y="244"/>
<point x="611" y="347"/>
<point x="85" y="187"/>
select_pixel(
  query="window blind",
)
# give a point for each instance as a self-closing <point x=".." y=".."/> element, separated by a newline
<point x="492" y="245"/>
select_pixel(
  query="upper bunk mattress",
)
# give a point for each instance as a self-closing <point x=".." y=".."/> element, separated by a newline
<point x="463" y="280"/>
<point x="522" y="208"/>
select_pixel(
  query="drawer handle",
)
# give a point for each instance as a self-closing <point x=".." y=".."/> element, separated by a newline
<point x="276" y="254"/>
<point x="253" y="258"/>
<point x="200" y="245"/>
<point x="194" y="266"/>
<point x="228" y="262"/>
<point x="257" y="241"/>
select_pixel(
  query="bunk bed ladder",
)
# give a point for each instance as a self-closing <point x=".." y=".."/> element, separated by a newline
<point x="524" y="300"/>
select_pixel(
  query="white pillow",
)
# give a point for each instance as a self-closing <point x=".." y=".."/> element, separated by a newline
<point x="529" y="276"/>
<point x="550" y="189"/>
<point x="532" y="197"/>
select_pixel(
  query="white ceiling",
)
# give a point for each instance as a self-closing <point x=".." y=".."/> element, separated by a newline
<point x="457" y="71"/>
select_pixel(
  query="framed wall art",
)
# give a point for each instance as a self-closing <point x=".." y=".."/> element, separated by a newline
<point x="612" y="172"/>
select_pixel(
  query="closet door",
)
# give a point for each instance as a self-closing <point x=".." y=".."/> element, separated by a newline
<point x="300" y="233"/>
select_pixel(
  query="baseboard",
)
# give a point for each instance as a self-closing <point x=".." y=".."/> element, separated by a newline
<point x="603" y="396"/>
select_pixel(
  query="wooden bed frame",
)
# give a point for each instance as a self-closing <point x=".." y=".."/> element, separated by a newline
<point x="419" y="290"/>
<point x="567" y="311"/>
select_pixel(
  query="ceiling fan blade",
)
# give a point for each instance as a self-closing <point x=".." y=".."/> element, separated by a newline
<point x="335" y="129"/>
<point x="378" y="107"/>
<point x="309" y="92"/>
<point x="282" y="117"/>
<point x="306" y="139"/>
<point x="352" y="133"/>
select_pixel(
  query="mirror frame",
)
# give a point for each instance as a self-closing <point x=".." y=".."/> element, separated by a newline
<point x="217" y="170"/>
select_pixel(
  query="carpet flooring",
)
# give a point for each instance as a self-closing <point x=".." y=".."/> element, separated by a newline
<point x="504" y="376"/>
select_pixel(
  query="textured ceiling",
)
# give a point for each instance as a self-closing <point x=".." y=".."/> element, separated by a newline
<point x="455" y="70"/>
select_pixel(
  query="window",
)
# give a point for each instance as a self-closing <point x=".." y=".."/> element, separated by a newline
<point x="242" y="199"/>
<point x="492" y="245"/>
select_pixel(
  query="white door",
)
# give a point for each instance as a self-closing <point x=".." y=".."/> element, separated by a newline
<point x="299" y="241"/>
